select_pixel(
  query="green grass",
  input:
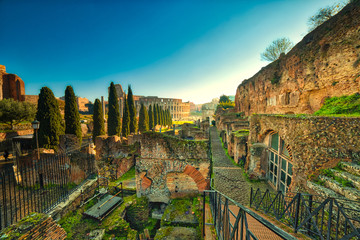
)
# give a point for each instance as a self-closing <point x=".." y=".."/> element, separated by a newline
<point x="181" y="122"/>
<point x="343" y="106"/>
<point x="128" y="175"/>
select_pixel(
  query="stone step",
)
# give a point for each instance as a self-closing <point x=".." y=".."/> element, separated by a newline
<point x="355" y="180"/>
<point x="352" y="168"/>
<point x="323" y="191"/>
<point x="351" y="209"/>
<point x="348" y="192"/>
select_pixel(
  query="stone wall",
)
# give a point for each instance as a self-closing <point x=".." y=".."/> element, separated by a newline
<point x="192" y="131"/>
<point x="325" y="63"/>
<point x="113" y="157"/>
<point x="314" y="143"/>
<point x="170" y="167"/>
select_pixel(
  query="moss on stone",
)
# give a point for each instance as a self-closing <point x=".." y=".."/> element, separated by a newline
<point x="15" y="231"/>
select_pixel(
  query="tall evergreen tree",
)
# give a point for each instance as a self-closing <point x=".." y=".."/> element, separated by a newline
<point x="158" y="115"/>
<point x="48" y="114"/>
<point x="151" y="117"/>
<point x="132" y="111"/>
<point x="126" y="120"/>
<point x="155" y="115"/>
<point x="143" y="119"/>
<point x="161" y="115"/>
<point x="114" y="124"/>
<point x="72" y="117"/>
<point x="98" y="120"/>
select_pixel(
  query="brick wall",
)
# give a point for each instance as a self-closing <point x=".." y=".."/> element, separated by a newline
<point x="35" y="226"/>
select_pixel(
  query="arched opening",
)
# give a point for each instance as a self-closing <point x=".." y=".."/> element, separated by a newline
<point x="280" y="165"/>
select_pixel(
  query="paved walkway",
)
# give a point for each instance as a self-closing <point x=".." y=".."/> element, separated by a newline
<point x="229" y="179"/>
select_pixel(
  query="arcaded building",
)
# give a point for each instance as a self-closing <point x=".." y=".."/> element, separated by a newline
<point x="11" y="86"/>
<point x="178" y="109"/>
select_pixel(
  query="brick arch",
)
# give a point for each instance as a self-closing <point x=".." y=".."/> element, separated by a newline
<point x="198" y="178"/>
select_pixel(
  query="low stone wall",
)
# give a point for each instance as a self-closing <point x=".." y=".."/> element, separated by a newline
<point x="4" y="136"/>
<point x="170" y="167"/>
<point x="75" y="200"/>
<point x="195" y="132"/>
<point x="314" y="143"/>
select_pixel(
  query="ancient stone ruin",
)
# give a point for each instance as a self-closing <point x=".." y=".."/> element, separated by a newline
<point x="170" y="167"/>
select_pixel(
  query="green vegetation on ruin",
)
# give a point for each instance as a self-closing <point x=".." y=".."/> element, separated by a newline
<point x="15" y="231"/>
<point x="343" y="106"/>
<point x="183" y="212"/>
<point x="77" y="226"/>
<point x="241" y="133"/>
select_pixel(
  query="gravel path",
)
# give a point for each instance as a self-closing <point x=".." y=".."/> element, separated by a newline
<point x="228" y="178"/>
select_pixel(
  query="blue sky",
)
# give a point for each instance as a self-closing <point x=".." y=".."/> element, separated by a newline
<point x="190" y="49"/>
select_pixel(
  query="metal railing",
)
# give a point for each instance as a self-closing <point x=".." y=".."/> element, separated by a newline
<point x="232" y="220"/>
<point x="312" y="215"/>
<point x="38" y="186"/>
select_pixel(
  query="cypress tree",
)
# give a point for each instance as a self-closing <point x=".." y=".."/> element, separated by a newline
<point x="98" y="120"/>
<point x="146" y="119"/>
<point x="161" y="115"/>
<point x="151" y="118"/>
<point x="155" y="115"/>
<point x="132" y="111"/>
<point x="114" y="124"/>
<point x="72" y="117"/>
<point x="126" y="120"/>
<point x="143" y="119"/>
<point x="48" y="114"/>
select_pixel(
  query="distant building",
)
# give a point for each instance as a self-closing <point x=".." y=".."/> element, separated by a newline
<point x="11" y="86"/>
<point x="178" y="108"/>
<point x="208" y="109"/>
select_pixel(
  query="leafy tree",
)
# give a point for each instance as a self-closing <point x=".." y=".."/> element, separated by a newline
<point x="98" y="120"/>
<point x="126" y="120"/>
<point x="224" y="99"/>
<point x="276" y="48"/>
<point x="48" y="114"/>
<point x="132" y="111"/>
<point x="324" y="14"/>
<point x="72" y="117"/>
<point x="13" y="112"/>
<point x="151" y="117"/>
<point x="114" y="124"/>
<point x="143" y="119"/>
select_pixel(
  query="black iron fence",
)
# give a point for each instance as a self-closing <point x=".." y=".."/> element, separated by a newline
<point x="39" y="185"/>
<point x="312" y="215"/>
<point x="231" y="220"/>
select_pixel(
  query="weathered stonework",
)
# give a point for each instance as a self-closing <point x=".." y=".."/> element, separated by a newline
<point x="113" y="157"/>
<point x="325" y="63"/>
<point x="192" y="131"/>
<point x="315" y="143"/>
<point x="170" y="167"/>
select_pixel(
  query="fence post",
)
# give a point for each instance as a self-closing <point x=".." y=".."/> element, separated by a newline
<point x="251" y="195"/>
<point x="297" y="212"/>
<point x="203" y="230"/>
<point x="310" y="210"/>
